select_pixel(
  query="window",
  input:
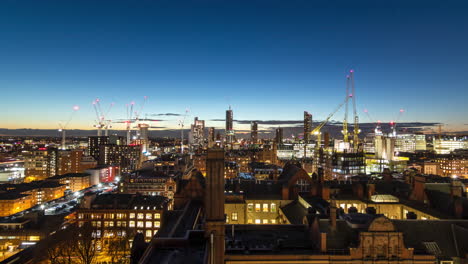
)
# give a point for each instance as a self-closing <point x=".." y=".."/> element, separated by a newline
<point x="157" y="224"/>
<point x="273" y="208"/>
<point x="124" y="224"/>
<point x="227" y="219"/>
<point x="149" y="224"/>
<point x="265" y="208"/>
<point x="119" y="224"/>
<point x="132" y="215"/>
<point x="257" y="221"/>
<point x="257" y="207"/>
<point x="250" y="207"/>
<point x="106" y="223"/>
<point x="140" y="224"/>
<point x="131" y="224"/>
<point x="234" y="216"/>
<point x="249" y="221"/>
<point x="157" y="216"/>
<point x="149" y="216"/>
<point x="148" y="233"/>
<point x="140" y="215"/>
<point x="265" y="221"/>
<point x="273" y="221"/>
<point x="111" y="224"/>
<point x="80" y="216"/>
<point x="98" y="223"/>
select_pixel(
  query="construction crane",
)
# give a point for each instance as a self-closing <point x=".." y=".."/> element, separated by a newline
<point x="316" y="130"/>
<point x="356" y="118"/>
<point x="345" y="121"/>
<point x="133" y="116"/>
<point x="394" y="123"/>
<point x="101" y="121"/>
<point x="181" y="124"/>
<point x="63" y="126"/>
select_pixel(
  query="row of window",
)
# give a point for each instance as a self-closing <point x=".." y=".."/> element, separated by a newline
<point x="261" y="221"/>
<point x="122" y="216"/>
<point x="146" y="224"/>
<point x="108" y="234"/>
<point x="266" y="208"/>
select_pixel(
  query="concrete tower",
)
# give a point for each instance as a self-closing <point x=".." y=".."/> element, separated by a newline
<point x="229" y="126"/>
<point x="214" y="205"/>
<point x="254" y="132"/>
<point x="307" y="126"/>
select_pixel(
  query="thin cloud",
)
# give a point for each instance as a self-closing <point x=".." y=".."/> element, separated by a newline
<point x="166" y="114"/>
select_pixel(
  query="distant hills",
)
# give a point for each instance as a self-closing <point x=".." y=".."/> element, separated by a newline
<point x="297" y="130"/>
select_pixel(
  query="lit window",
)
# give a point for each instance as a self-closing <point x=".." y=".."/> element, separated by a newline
<point x="227" y="219"/>
<point x="124" y="224"/>
<point x="140" y="224"/>
<point x="148" y="233"/>
<point x="265" y="208"/>
<point x="111" y="224"/>
<point x="157" y="216"/>
<point x="157" y="224"/>
<point x="234" y="216"/>
<point x="257" y="207"/>
<point x="249" y="221"/>
<point x="132" y="215"/>
<point x="273" y="208"/>
<point x="131" y="224"/>
<point x="265" y="221"/>
<point x="250" y="207"/>
<point x="273" y="221"/>
<point x="149" y="224"/>
<point x="148" y="216"/>
<point x="119" y="224"/>
<point x="98" y="223"/>
<point x="140" y="215"/>
<point x="257" y="221"/>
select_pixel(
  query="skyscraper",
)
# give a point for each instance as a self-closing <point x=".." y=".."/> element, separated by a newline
<point x="307" y="126"/>
<point x="211" y="137"/>
<point x="143" y="137"/>
<point x="197" y="134"/>
<point x="254" y="132"/>
<point x="279" y="135"/>
<point x="94" y="142"/>
<point x="229" y="126"/>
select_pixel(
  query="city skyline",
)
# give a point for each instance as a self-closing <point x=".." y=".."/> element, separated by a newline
<point x="273" y="64"/>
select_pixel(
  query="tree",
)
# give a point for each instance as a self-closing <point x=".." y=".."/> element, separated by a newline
<point x="118" y="247"/>
<point x="85" y="244"/>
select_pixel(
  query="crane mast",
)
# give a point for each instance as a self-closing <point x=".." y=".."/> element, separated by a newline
<point x="345" y="121"/>
<point x="63" y="126"/>
<point x="356" y="118"/>
<point x="181" y="124"/>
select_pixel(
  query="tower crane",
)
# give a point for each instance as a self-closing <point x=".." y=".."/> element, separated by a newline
<point x="101" y="121"/>
<point x="356" y="118"/>
<point x="394" y="123"/>
<point x="133" y="117"/>
<point x="316" y="130"/>
<point x="63" y="126"/>
<point x="181" y="124"/>
<point x="345" y="121"/>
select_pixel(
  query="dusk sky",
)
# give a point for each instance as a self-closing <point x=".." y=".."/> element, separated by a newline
<point x="270" y="60"/>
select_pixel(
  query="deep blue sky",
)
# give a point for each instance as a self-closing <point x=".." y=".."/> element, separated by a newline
<point x="268" y="59"/>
